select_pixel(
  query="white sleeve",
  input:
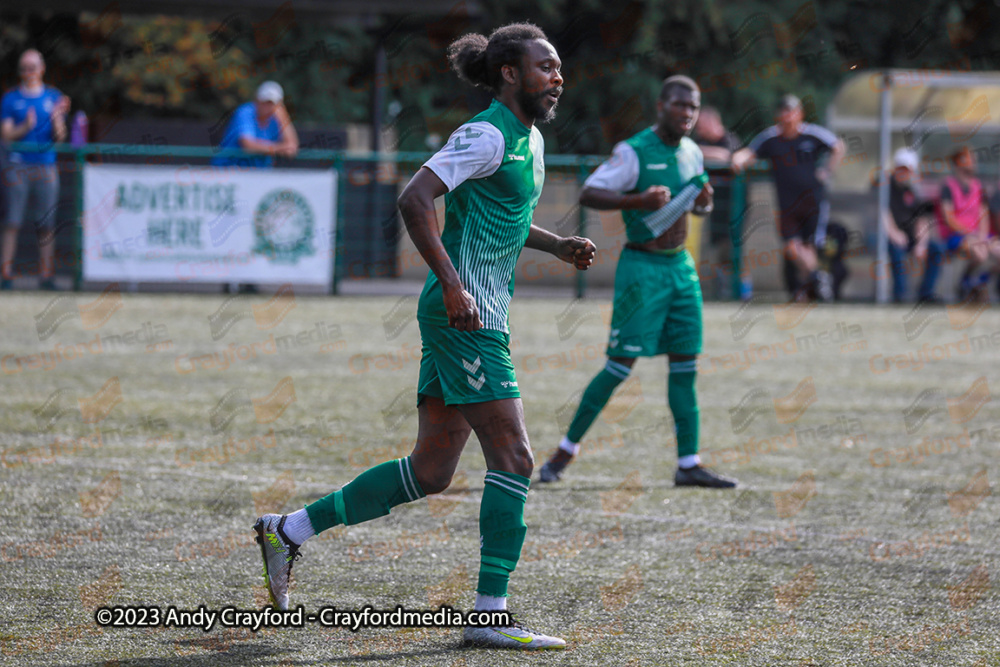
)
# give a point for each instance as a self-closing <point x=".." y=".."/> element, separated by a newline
<point x="821" y="133"/>
<point x="474" y="150"/>
<point x="619" y="173"/>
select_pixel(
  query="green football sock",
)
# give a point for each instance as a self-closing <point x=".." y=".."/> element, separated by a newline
<point x="370" y="495"/>
<point x="595" y="397"/>
<point x="683" y="400"/>
<point x="501" y="530"/>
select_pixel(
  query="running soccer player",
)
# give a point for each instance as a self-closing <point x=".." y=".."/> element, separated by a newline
<point x="795" y="149"/>
<point x="654" y="178"/>
<point x="490" y="172"/>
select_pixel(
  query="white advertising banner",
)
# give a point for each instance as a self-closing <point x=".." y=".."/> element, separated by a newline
<point x="202" y="224"/>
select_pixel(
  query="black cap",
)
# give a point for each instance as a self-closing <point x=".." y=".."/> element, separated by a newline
<point x="789" y="102"/>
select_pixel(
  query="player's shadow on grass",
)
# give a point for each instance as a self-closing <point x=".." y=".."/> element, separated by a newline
<point x="238" y="654"/>
<point x="398" y="655"/>
<point x="243" y="654"/>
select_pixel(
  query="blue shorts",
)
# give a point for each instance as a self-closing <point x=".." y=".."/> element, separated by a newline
<point x="953" y="242"/>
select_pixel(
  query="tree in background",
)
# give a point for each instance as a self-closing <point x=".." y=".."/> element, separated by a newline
<point x="114" y="65"/>
<point x="744" y="55"/>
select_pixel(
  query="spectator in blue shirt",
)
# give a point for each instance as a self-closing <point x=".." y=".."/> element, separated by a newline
<point x="32" y="112"/>
<point x="261" y="127"/>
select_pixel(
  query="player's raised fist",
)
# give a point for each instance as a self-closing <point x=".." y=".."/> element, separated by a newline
<point x="655" y="197"/>
<point x="577" y="251"/>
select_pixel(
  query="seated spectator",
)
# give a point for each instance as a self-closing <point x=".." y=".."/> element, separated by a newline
<point x="909" y="230"/>
<point x="963" y="223"/>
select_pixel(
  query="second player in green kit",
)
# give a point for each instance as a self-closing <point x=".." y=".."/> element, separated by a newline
<point x="655" y="178"/>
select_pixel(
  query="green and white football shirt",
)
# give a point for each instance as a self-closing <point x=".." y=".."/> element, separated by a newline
<point x="493" y="168"/>
<point x="643" y="160"/>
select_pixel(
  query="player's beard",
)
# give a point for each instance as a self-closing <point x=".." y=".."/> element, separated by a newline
<point x="532" y="105"/>
<point x="676" y="131"/>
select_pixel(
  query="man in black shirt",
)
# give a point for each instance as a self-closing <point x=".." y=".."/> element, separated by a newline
<point x="795" y="149"/>
<point x="909" y="230"/>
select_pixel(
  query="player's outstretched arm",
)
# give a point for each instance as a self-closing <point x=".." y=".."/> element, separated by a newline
<point x="650" y="199"/>
<point x="416" y="206"/>
<point x="574" y="250"/>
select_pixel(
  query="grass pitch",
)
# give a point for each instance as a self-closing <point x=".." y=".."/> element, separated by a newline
<point x="141" y="436"/>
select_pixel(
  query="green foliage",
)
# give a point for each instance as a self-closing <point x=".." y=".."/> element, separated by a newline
<point x="744" y="55"/>
<point x="117" y="65"/>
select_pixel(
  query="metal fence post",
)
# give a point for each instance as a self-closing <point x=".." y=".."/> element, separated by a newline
<point x="79" y="160"/>
<point x="338" y="234"/>
<point x="581" y="227"/>
<point x="737" y="219"/>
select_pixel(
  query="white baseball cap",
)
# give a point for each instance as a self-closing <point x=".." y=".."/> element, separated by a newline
<point x="905" y="157"/>
<point x="270" y="91"/>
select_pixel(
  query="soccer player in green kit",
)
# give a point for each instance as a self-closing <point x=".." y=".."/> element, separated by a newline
<point x="490" y="172"/>
<point x="654" y="178"/>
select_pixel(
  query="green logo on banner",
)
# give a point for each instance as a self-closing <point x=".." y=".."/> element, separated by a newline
<point x="283" y="227"/>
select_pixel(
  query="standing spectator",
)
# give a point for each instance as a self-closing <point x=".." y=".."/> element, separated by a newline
<point x="964" y="221"/>
<point x="718" y="144"/>
<point x="261" y="127"/>
<point x="795" y="149"/>
<point x="909" y="230"/>
<point x="32" y="112"/>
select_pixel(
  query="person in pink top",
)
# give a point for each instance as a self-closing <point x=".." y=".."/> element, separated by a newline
<point x="964" y="222"/>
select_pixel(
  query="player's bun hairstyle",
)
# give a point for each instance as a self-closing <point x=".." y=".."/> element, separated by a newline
<point x="676" y="81"/>
<point x="477" y="60"/>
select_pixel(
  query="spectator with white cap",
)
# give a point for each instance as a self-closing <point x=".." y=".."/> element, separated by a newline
<point x="908" y="228"/>
<point x="261" y="127"/>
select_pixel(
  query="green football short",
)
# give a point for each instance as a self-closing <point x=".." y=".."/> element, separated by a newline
<point x="465" y="366"/>
<point x="657" y="307"/>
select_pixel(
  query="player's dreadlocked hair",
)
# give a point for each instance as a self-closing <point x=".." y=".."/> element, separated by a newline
<point x="478" y="60"/>
<point x="671" y="83"/>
